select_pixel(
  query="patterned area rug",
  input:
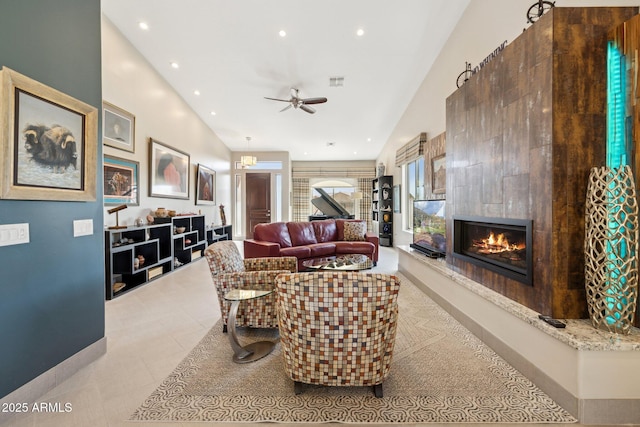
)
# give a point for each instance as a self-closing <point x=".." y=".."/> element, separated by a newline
<point x="440" y="373"/>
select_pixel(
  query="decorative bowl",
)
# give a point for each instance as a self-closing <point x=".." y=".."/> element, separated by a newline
<point x="180" y="230"/>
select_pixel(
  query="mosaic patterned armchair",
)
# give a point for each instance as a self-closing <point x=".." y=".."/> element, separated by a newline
<point x="337" y="328"/>
<point x="230" y="271"/>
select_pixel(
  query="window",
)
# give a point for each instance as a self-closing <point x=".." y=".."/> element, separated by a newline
<point x="266" y="165"/>
<point x="343" y="195"/>
<point x="238" y="208"/>
<point x="413" y="180"/>
<point x="278" y="197"/>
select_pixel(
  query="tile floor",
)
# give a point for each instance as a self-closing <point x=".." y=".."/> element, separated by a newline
<point x="149" y="331"/>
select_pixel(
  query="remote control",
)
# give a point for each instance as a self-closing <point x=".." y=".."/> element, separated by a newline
<point x="553" y="322"/>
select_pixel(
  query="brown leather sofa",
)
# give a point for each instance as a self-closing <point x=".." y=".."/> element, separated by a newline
<point x="308" y="240"/>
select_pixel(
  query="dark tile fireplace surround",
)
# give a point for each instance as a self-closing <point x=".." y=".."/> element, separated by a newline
<point x="521" y="136"/>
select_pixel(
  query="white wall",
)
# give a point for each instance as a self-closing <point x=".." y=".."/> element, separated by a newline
<point x="129" y="82"/>
<point x="484" y="25"/>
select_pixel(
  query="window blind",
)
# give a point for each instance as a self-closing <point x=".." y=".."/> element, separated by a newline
<point x="328" y="171"/>
<point x="411" y="150"/>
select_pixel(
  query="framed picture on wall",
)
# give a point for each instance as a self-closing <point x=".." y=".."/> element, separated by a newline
<point x="48" y="142"/>
<point x="206" y="186"/>
<point x="168" y="171"/>
<point x="118" y="127"/>
<point x="439" y="174"/>
<point x="121" y="181"/>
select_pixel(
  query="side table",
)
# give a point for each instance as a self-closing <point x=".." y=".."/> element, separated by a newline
<point x="253" y="351"/>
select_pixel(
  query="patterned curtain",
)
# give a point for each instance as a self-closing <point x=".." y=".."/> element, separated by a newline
<point x="364" y="186"/>
<point x="301" y="199"/>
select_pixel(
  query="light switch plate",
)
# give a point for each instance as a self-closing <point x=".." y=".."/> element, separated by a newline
<point x="82" y="227"/>
<point x="14" y="234"/>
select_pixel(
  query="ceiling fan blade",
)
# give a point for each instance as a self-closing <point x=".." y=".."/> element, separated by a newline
<point x="286" y="108"/>
<point x="276" y="99"/>
<point x="313" y="100"/>
<point x="306" y="108"/>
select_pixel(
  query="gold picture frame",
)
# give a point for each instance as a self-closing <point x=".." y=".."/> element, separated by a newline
<point x="48" y="142"/>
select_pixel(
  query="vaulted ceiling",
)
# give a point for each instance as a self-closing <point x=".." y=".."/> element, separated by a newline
<point x="232" y="54"/>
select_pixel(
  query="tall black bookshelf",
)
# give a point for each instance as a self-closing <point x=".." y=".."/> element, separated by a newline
<point x="382" y="208"/>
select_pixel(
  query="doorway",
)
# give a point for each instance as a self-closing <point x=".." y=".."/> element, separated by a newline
<point x="258" y="204"/>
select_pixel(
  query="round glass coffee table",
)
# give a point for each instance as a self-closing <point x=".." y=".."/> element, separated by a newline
<point x="349" y="262"/>
<point x="255" y="350"/>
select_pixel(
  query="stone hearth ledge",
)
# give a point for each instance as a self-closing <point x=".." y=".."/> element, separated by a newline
<point x="579" y="333"/>
<point x="592" y="373"/>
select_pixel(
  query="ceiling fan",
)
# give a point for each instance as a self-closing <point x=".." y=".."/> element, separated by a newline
<point x="297" y="102"/>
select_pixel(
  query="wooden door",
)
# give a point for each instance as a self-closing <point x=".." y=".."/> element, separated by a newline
<point x="258" y="207"/>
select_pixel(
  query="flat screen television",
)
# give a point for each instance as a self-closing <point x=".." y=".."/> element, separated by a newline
<point x="429" y="235"/>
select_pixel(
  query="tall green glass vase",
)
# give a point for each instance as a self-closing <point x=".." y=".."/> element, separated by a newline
<point x="611" y="248"/>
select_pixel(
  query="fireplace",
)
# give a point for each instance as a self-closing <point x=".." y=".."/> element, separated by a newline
<point x="497" y="244"/>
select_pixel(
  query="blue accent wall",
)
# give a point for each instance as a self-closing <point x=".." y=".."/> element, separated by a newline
<point x="51" y="289"/>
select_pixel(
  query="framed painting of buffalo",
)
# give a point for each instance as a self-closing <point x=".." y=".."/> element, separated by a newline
<point x="48" y="142"/>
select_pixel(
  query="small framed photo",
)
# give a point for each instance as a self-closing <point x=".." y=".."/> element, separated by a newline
<point x="121" y="181"/>
<point x="48" y="142"/>
<point x="168" y="170"/>
<point x="118" y="127"/>
<point x="439" y="174"/>
<point x="206" y="186"/>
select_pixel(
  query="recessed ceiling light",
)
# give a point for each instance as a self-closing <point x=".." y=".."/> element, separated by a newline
<point x="368" y="139"/>
<point x="143" y="25"/>
<point x="213" y="113"/>
<point x="360" y="32"/>
<point x="174" y="64"/>
<point x="196" y="92"/>
<point x="282" y="33"/>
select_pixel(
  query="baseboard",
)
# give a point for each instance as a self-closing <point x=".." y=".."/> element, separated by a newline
<point x="47" y="381"/>
<point x="447" y="294"/>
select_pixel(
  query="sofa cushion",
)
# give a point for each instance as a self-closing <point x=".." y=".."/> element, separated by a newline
<point x="326" y="230"/>
<point x="365" y="248"/>
<point x="354" y="231"/>
<point x="323" y="249"/>
<point x="340" y="226"/>
<point x="301" y="233"/>
<point x="296" y="251"/>
<point x="276" y="232"/>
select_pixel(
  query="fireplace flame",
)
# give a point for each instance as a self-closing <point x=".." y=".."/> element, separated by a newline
<point x="497" y="244"/>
